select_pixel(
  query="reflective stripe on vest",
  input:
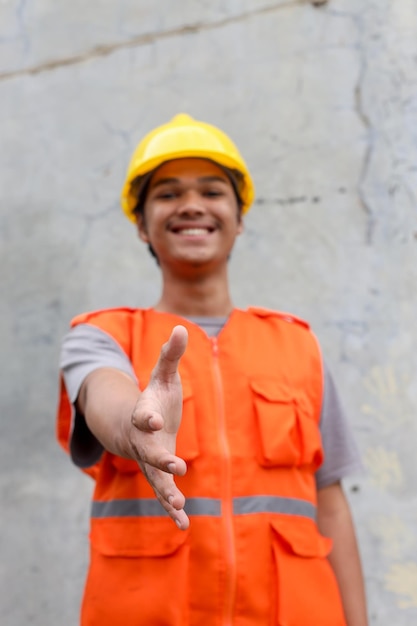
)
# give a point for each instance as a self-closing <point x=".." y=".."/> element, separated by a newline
<point x="211" y="507"/>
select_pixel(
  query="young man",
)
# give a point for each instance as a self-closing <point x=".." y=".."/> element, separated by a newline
<point x="222" y="430"/>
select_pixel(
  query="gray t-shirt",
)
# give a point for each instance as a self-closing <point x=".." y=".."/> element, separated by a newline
<point x="86" y="348"/>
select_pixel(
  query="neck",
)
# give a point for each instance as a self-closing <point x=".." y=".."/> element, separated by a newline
<point x="200" y="295"/>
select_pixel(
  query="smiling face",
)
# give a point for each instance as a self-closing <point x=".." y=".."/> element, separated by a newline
<point x="191" y="215"/>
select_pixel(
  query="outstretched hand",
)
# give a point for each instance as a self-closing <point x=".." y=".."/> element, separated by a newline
<point x="154" y="425"/>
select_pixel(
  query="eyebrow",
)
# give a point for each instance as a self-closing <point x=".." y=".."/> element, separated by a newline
<point x="201" y="179"/>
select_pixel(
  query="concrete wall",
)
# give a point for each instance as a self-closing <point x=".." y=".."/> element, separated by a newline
<point x="323" y="103"/>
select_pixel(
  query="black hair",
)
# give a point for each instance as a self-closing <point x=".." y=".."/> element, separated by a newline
<point x="143" y="184"/>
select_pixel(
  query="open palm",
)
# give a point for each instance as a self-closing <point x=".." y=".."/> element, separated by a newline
<point x="155" y="423"/>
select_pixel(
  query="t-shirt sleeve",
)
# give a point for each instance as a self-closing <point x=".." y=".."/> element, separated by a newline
<point x="341" y="454"/>
<point x="84" y="349"/>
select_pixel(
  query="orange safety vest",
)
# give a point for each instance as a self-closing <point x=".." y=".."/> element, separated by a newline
<point x="252" y="555"/>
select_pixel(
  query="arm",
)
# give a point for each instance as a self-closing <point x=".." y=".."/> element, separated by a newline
<point x="334" y="520"/>
<point x="142" y="425"/>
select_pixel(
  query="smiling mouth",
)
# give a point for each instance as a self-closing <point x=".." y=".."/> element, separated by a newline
<point x="193" y="232"/>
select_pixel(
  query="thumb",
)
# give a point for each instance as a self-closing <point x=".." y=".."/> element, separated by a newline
<point x="171" y="353"/>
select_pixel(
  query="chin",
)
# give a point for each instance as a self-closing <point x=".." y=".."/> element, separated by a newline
<point x="197" y="261"/>
<point x="194" y="257"/>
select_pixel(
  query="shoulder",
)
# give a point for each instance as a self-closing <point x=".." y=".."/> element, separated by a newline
<point x="104" y="315"/>
<point x="288" y="330"/>
<point x="281" y="316"/>
<point x="120" y="323"/>
<point x="292" y="333"/>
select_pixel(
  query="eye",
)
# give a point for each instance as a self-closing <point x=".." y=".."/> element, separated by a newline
<point x="167" y="194"/>
<point x="213" y="193"/>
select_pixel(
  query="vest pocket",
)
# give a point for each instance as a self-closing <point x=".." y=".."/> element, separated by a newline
<point x="137" y="536"/>
<point x="139" y="570"/>
<point x="288" y="433"/>
<point x="305" y="587"/>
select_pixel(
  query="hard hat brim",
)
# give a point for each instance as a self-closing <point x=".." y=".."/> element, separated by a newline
<point x="129" y="199"/>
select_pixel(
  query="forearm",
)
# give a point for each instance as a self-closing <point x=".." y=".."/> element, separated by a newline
<point x="335" y="521"/>
<point x="107" y="399"/>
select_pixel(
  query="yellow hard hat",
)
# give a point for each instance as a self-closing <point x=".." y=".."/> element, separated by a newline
<point x="180" y="138"/>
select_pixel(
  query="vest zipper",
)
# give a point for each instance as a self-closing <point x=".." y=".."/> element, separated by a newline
<point x="226" y="494"/>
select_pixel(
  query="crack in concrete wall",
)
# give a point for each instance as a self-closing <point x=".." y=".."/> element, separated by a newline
<point x="366" y="123"/>
<point x="144" y="39"/>
<point x="360" y="109"/>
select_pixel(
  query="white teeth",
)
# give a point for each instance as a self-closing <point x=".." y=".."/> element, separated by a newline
<point x="194" y="231"/>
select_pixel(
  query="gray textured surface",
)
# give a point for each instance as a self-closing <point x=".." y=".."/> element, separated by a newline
<point x="323" y="104"/>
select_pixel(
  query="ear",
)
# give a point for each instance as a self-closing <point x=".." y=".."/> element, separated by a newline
<point x="141" y="226"/>
<point x="240" y="225"/>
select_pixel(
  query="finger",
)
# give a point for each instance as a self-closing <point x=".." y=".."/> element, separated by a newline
<point x="164" y="486"/>
<point x="179" y="516"/>
<point x="181" y="519"/>
<point x="161" y="459"/>
<point x="168" y="494"/>
<point x="170" y="354"/>
<point x="166" y="462"/>
<point x="146" y="421"/>
<point x="147" y="450"/>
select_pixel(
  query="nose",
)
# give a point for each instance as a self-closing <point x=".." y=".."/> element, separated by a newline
<point x="192" y="204"/>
